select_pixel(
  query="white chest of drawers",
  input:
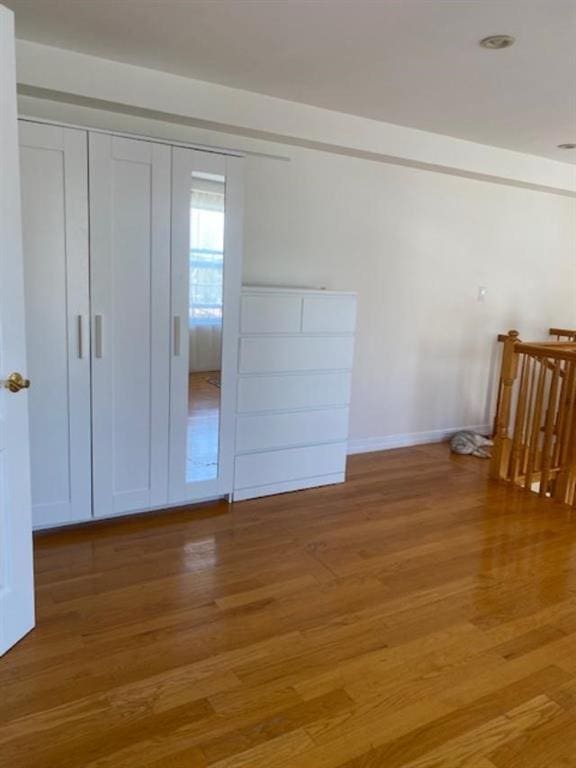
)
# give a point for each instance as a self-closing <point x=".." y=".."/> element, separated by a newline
<point x="295" y="364"/>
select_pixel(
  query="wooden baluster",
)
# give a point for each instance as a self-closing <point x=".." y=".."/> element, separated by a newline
<point x="501" y="453"/>
<point x="571" y="442"/>
<point x="569" y="490"/>
<point x="562" y="413"/>
<point x="528" y="420"/>
<point x="534" y="456"/>
<point x="567" y="458"/>
<point x="549" y="424"/>
<point x="516" y="460"/>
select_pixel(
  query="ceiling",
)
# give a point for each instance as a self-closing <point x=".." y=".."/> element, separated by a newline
<point x="411" y="62"/>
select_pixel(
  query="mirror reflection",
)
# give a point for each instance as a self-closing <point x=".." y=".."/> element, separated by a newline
<point x="206" y="262"/>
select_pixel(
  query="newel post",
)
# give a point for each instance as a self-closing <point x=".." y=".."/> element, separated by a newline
<point x="508" y="373"/>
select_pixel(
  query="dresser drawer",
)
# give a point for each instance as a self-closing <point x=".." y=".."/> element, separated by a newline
<point x="254" y="469"/>
<point x="292" y="391"/>
<point x="296" y="353"/>
<point x="271" y="313"/>
<point x="263" y="431"/>
<point x="329" y="314"/>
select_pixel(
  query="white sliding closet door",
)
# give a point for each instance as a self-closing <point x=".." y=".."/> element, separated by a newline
<point x="54" y="172"/>
<point x="207" y="215"/>
<point x="130" y="263"/>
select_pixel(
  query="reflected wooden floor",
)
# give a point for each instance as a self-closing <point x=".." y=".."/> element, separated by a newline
<point x="416" y="617"/>
<point x="203" y="426"/>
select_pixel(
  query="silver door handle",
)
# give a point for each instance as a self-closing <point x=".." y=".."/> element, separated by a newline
<point x="176" y="334"/>
<point x="98" y="336"/>
<point x="80" y="331"/>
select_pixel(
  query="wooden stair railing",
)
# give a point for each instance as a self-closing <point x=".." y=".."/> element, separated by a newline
<point x="562" y="334"/>
<point x="535" y="430"/>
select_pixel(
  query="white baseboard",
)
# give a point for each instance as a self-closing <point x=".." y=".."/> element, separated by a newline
<point x="387" y="442"/>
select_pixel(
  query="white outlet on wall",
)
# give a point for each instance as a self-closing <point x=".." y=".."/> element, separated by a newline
<point x="482" y="292"/>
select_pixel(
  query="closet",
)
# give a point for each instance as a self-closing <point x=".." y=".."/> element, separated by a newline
<point x="130" y="247"/>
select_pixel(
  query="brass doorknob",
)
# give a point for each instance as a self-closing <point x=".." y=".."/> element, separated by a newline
<point x="15" y="382"/>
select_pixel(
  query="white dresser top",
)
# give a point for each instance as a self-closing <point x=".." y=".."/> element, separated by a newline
<point x="294" y="289"/>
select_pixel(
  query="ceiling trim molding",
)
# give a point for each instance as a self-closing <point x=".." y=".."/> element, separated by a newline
<point x="48" y="72"/>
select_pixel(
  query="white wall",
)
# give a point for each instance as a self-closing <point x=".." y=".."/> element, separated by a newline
<point x="415" y="245"/>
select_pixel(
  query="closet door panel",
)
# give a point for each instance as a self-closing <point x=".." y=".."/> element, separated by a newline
<point x="130" y="242"/>
<point x="128" y="327"/>
<point x="207" y="203"/>
<point x="55" y="229"/>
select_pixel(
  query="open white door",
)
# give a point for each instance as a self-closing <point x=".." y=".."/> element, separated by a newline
<point x="16" y="567"/>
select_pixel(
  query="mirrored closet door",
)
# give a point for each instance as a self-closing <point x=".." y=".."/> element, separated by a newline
<point x="206" y="276"/>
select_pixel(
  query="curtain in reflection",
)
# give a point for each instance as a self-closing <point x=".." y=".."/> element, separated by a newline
<point x="206" y="264"/>
<point x="205" y="347"/>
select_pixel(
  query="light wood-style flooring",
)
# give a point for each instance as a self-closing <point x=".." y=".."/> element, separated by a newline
<point x="418" y="616"/>
<point x="203" y="426"/>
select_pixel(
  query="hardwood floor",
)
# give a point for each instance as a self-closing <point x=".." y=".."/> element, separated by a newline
<point x="416" y="617"/>
<point x="203" y="426"/>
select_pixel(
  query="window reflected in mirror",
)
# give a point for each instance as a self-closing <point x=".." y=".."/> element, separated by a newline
<point x="206" y="262"/>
